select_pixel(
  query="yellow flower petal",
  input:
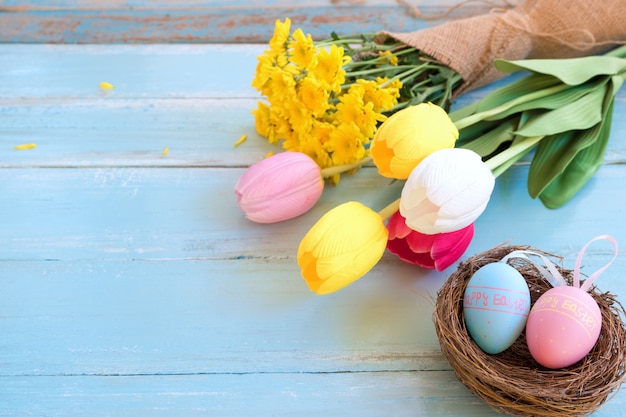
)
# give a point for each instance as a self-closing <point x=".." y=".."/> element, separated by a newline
<point x="25" y="146"/>
<point x="106" y="86"/>
<point x="408" y="136"/>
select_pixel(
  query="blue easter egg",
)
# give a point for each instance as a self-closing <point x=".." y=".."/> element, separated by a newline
<point x="496" y="304"/>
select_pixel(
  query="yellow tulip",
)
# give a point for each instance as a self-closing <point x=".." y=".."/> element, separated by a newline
<point x="410" y="135"/>
<point x="341" y="247"/>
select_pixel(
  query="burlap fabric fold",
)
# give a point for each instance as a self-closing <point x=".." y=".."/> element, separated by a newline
<point x="532" y="29"/>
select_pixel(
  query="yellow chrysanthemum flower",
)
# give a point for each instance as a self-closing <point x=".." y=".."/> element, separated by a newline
<point x="352" y="109"/>
<point x="315" y="149"/>
<point x="382" y="98"/>
<point x="262" y="75"/>
<point x="302" y="50"/>
<point x="329" y="69"/>
<point x="281" y="85"/>
<point x="280" y="39"/>
<point x="313" y="95"/>
<point x="388" y="57"/>
<point x="262" y="119"/>
<point x="346" y="144"/>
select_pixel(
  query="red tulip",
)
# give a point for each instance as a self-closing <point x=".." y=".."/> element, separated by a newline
<point x="437" y="251"/>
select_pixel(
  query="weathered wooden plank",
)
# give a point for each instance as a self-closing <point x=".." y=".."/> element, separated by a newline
<point x="132" y="132"/>
<point x="219" y="21"/>
<point x="273" y="394"/>
<point x="140" y="213"/>
<point x="150" y="71"/>
<point x="106" y="317"/>
<point x="192" y="213"/>
<point x="141" y="72"/>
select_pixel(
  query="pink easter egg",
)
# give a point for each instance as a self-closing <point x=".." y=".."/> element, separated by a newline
<point x="563" y="326"/>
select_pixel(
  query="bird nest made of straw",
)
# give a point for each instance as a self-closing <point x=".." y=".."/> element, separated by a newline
<point x="513" y="382"/>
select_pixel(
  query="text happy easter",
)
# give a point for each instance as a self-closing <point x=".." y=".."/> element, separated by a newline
<point x="497" y="299"/>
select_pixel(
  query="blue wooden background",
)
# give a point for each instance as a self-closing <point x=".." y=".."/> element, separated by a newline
<point x="131" y="284"/>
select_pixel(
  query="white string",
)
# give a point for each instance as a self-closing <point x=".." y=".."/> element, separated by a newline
<point x="552" y="274"/>
<point x="595" y="275"/>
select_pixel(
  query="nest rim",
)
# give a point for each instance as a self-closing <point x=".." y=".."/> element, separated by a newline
<point x="513" y="382"/>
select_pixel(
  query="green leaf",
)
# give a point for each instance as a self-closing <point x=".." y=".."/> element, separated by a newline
<point x="571" y="71"/>
<point x="505" y="166"/>
<point x="489" y="141"/>
<point x="583" y="113"/>
<point x="584" y="166"/>
<point x="521" y="87"/>
<point x="554" y="154"/>
<point x="556" y="100"/>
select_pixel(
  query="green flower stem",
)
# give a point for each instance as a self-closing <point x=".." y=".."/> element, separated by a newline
<point x="479" y="117"/>
<point x="329" y="172"/>
<point x="391" y="208"/>
<point x="515" y="151"/>
<point x="406" y="74"/>
<point x="410" y="70"/>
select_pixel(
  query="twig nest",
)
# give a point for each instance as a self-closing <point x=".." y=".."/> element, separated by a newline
<point x="512" y="381"/>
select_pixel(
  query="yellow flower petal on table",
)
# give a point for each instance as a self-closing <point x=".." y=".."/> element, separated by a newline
<point x="25" y="146"/>
<point x="241" y="140"/>
<point x="341" y="247"/>
<point x="106" y="86"/>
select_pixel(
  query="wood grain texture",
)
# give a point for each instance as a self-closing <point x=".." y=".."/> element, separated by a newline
<point x="131" y="284"/>
<point x="88" y="21"/>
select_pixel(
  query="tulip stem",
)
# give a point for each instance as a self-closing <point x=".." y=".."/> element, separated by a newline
<point x="391" y="208"/>
<point x="502" y="161"/>
<point x="329" y="172"/>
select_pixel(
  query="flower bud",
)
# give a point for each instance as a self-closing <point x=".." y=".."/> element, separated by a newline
<point x="408" y="136"/>
<point x="341" y="247"/>
<point x="437" y="251"/>
<point x="279" y="188"/>
<point x="447" y="191"/>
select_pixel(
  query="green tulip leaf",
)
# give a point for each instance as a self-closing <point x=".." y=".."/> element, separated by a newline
<point x="586" y="162"/>
<point x="572" y="71"/>
<point x="488" y="142"/>
<point x="514" y="90"/>
<point x="582" y="167"/>
<point x="555" y="100"/>
<point x="581" y="114"/>
<point x="554" y="153"/>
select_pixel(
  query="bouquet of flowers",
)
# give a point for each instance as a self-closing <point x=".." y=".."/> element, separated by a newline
<point x="340" y="103"/>
<point x="327" y="98"/>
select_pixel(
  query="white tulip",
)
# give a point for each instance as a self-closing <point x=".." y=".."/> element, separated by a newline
<point x="447" y="191"/>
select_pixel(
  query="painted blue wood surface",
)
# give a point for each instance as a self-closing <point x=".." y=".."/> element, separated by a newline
<point x="89" y="21"/>
<point x="131" y="285"/>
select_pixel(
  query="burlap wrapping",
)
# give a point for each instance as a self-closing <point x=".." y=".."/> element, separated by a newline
<point x="532" y="29"/>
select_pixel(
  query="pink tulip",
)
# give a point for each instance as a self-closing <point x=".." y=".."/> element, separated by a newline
<point x="437" y="251"/>
<point x="279" y="188"/>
